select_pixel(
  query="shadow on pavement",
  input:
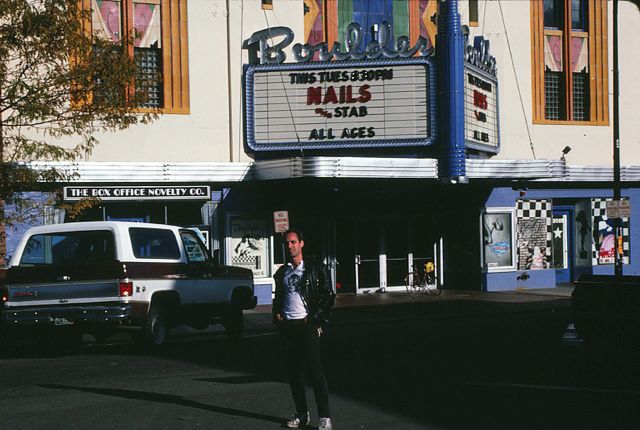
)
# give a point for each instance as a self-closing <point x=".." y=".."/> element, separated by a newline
<point x="166" y="398"/>
<point x="478" y="370"/>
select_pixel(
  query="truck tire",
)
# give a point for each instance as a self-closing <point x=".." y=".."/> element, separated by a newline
<point x="156" y="328"/>
<point x="234" y="322"/>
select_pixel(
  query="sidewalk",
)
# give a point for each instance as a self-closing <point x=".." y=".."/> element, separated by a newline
<point x="379" y="307"/>
<point x="401" y="297"/>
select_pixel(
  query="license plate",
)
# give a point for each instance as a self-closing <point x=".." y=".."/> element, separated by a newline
<point x="62" y="321"/>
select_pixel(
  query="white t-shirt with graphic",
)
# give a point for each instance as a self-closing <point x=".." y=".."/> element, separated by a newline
<point x="292" y="304"/>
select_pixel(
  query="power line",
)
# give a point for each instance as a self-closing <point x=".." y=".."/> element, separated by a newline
<point x="526" y="121"/>
<point x="286" y="94"/>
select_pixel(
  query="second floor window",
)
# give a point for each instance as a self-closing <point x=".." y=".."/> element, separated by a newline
<point x="570" y="58"/>
<point x="326" y="20"/>
<point x="159" y="32"/>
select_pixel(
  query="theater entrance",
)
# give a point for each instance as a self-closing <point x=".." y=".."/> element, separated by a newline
<point x="375" y="254"/>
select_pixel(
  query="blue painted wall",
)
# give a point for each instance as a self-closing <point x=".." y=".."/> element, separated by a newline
<point x="510" y="281"/>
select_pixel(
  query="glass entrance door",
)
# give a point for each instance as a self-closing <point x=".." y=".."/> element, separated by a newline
<point x="425" y="246"/>
<point x="562" y="230"/>
<point x="396" y="250"/>
<point x="367" y="256"/>
<point x="375" y="254"/>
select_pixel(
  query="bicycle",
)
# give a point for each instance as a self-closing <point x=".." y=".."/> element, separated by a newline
<point x="422" y="281"/>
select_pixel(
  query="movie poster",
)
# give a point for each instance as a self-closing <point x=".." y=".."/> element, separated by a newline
<point x="534" y="221"/>
<point x="249" y="245"/>
<point x="497" y="240"/>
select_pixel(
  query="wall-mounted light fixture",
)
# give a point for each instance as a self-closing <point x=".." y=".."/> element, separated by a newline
<point x="565" y="151"/>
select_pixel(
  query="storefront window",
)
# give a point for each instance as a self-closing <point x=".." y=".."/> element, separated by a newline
<point x="248" y="244"/>
<point x="498" y="253"/>
<point x="534" y="221"/>
<point x="603" y="251"/>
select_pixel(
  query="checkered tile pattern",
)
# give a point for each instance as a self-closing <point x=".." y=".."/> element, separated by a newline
<point x="534" y="209"/>
<point x="599" y="209"/>
<point x="245" y="259"/>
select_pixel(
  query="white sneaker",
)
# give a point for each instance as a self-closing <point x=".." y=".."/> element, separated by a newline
<point x="325" y="424"/>
<point x="299" y="421"/>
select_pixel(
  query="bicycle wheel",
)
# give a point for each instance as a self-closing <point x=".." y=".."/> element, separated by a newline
<point x="432" y="288"/>
<point x="412" y="282"/>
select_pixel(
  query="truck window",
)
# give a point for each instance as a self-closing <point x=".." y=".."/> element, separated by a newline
<point x="195" y="251"/>
<point x="154" y="243"/>
<point x="68" y="248"/>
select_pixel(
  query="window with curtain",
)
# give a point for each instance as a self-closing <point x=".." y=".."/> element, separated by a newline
<point x="570" y="61"/>
<point x="159" y="32"/>
<point x="326" y="20"/>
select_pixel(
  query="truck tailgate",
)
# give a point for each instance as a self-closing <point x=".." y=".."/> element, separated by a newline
<point x="58" y="295"/>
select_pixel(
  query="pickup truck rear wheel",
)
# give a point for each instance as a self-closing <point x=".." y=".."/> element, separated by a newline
<point x="156" y="329"/>
<point x="234" y="322"/>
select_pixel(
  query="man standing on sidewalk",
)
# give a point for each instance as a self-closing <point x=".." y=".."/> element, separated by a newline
<point x="301" y="310"/>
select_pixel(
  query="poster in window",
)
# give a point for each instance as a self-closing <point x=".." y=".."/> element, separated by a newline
<point x="532" y="244"/>
<point x="497" y="240"/>
<point x="604" y="234"/>
<point x="249" y="245"/>
<point x="534" y="234"/>
<point x="582" y="233"/>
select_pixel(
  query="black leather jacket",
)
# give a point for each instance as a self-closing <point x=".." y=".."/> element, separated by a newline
<point x="315" y="288"/>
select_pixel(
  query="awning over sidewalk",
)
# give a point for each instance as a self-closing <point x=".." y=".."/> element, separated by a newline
<point x="331" y="167"/>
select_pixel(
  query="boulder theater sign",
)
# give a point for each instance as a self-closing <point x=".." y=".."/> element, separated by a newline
<point x="481" y="98"/>
<point x="382" y="96"/>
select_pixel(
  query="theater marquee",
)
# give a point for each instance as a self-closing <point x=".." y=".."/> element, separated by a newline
<point x="482" y="128"/>
<point x="329" y="105"/>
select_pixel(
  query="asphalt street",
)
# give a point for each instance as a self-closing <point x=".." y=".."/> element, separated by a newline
<point x="392" y="363"/>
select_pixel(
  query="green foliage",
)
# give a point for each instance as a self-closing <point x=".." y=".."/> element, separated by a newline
<point x="57" y="81"/>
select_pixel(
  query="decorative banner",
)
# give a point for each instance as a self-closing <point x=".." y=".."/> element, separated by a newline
<point x="481" y="109"/>
<point x="559" y="249"/>
<point x="340" y="105"/>
<point x="157" y="192"/>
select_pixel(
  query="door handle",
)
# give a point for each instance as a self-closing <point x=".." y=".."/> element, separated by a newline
<point x="63" y="278"/>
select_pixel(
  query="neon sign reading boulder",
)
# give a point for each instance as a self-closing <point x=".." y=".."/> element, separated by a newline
<point x="384" y="46"/>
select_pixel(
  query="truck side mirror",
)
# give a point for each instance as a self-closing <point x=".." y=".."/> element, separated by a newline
<point x="216" y="257"/>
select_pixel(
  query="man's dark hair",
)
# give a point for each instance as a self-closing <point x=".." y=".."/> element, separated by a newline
<point x="293" y="231"/>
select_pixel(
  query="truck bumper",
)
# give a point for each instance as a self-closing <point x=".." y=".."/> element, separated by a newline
<point x="68" y="315"/>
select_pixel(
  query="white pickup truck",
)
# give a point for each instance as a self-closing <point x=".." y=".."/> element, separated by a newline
<point x="96" y="277"/>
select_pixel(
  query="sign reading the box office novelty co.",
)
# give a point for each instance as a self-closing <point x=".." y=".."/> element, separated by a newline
<point x="122" y="193"/>
<point x="380" y="98"/>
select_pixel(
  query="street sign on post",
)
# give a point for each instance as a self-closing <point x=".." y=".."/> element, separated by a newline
<point x="618" y="209"/>
<point x="624" y="209"/>
<point x="280" y="221"/>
